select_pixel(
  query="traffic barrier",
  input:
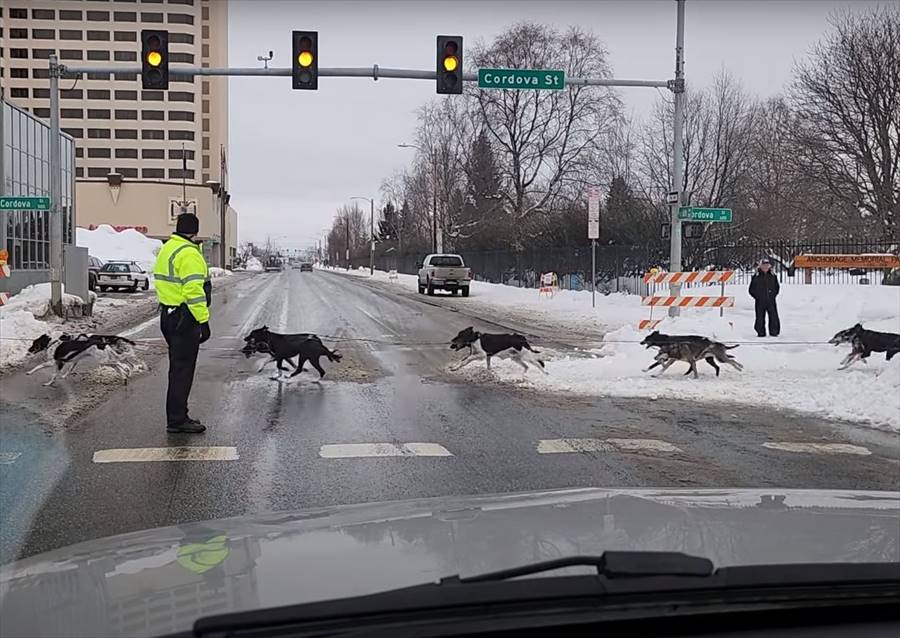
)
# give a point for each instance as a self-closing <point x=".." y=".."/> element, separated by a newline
<point x="707" y="277"/>
<point x="4" y="298"/>
<point x="4" y="272"/>
<point x="549" y="284"/>
<point x="646" y="324"/>
<point x="689" y="302"/>
<point x="392" y="274"/>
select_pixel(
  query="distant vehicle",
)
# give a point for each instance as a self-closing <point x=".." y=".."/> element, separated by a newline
<point x="306" y="267"/>
<point x="444" y="272"/>
<point x="274" y="264"/>
<point x="122" y="275"/>
<point x="94" y="266"/>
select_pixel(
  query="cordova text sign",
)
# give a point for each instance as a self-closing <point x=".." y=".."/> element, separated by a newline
<point x="551" y="79"/>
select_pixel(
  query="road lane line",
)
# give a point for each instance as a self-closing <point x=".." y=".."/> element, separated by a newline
<point x="817" y="448"/>
<point x="8" y="458"/>
<point x="181" y="453"/>
<point x="568" y="446"/>
<point x="369" y="450"/>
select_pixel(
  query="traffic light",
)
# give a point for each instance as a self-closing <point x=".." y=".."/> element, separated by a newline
<point x="449" y="64"/>
<point x="154" y="59"/>
<point x="305" y="60"/>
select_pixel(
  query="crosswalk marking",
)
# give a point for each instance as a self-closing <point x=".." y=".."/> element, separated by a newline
<point x="183" y="453"/>
<point x="8" y="458"/>
<point x="567" y="446"/>
<point x="360" y="450"/>
<point x="817" y="448"/>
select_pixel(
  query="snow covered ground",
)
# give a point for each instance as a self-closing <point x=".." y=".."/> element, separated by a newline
<point x="795" y="371"/>
<point x="107" y="244"/>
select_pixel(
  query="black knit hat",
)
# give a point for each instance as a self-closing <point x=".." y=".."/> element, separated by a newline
<point x="187" y="224"/>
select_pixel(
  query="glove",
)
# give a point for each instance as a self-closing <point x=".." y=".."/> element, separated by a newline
<point x="205" y="333"/>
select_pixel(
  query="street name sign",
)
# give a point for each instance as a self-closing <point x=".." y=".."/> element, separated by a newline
<point x="553" y="80"/>
<point x="24" y="203"/>
<point x="695" y="214"/>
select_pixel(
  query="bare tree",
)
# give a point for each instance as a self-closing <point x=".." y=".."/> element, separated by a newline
<point x="847" y="99"/>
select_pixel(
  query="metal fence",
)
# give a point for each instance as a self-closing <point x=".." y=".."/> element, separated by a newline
<point x="620" y="268"/>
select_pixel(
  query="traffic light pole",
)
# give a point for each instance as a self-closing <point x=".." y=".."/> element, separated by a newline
<point x="678" y="157"/>
<point x="56" y="208"/>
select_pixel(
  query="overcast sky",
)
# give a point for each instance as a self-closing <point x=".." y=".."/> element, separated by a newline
<point x="295" y="156"/>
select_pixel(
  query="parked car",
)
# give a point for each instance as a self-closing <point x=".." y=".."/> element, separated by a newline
<point x="122" y="275"/>
<point x="94" y="266"/>
<point x="444" y="272"/>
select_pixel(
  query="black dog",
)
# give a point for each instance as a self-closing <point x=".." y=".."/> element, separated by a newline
<point x="283" y="348"/>
<point x="690" y="349"/>
<point x="864" y="342"/>
<point x="514" y="345"/>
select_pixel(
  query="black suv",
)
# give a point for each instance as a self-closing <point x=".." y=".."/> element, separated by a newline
<point x="94" y="266"/>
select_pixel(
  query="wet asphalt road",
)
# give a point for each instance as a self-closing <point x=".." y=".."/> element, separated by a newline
<point x="392" y="387"/>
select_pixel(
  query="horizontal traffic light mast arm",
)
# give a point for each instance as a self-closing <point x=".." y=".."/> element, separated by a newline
<point x="375" y="72"/>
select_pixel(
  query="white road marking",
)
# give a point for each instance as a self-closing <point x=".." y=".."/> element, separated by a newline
<point x="183" y="453"/>
<point x="817" y="448"/>
<point x="362" y="450"/>
<point x="141" y="326"/>
<point x="8" y="458"/>
<point x="567" y="446"/>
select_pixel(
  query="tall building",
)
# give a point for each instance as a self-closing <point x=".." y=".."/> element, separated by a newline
<point x="118" y="127"/>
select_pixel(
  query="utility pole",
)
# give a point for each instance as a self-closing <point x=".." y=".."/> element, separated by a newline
<point x="223" y="203"/>
<point x="347" y="239"/>
<point x="371" y="232"/>
<point x="56" y="209"/>
<point x="678" y="159"/>
<point x="434" y="244"/>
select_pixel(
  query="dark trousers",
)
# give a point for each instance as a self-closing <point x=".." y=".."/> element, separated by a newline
<point x="764" y="307"/>
<point x="182" y="334"/>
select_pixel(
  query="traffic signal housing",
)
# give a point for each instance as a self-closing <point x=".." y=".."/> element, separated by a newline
<point x="154" y="59"/>
<point x="449" y="64"/>
<point x="305" y="60"/>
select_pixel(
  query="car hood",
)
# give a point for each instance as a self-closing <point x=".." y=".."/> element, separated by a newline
<point x="159" y="581"/>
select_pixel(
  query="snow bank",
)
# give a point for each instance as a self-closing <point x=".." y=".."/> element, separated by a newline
<point x="254" y="265"/>
<point x="20" y="320"/>
<point x="106" y="244"/>
<point x="215" y="272"/>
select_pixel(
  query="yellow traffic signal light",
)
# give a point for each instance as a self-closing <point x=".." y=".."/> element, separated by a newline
<point x="305" y="63"/>
<point x="305" y="59"/>
<point x="449" y="64"/>
<point x="154" y="59"/>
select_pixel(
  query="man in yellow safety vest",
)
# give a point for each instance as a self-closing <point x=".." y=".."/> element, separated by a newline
<point x="181" y="278"/>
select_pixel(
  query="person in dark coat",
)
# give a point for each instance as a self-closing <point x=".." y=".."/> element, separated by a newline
<point x="764" y="289"/>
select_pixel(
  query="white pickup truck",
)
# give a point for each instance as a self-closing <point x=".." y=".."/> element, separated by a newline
<point x="444" y="272"/>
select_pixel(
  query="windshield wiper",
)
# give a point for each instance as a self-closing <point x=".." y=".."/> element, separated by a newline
<point x="610" y="564"/>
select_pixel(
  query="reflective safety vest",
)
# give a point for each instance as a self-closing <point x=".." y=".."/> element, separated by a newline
<point x="181" y="276"/>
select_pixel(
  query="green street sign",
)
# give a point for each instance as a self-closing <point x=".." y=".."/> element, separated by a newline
<point x="694" y="214"/>
<point x="24" y="203"/>
<point x="521" y="79"/>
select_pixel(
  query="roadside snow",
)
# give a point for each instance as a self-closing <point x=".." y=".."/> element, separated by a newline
<point x="215" y="272"/>
<point x="795" y="371"/>
<point x="106" y="244"/>
<point x="254" y="265"/>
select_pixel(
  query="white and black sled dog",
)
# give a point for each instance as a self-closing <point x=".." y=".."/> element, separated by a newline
<point x="479" y="344"/>
<point x="65" y="352"/>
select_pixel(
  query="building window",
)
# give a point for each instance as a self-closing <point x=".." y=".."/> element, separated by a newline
<point x="71" y="54"/>
<point x="126" y="134"/>
<point x="98" y="133"/>
<point x="181" y="96"/>
<point x="152" y="17"/>
<point x="98" y="55"/>
<point x="206" y="161"/>
<point x="181" y="38"/>
<point x="74" y="132"/>
<point x="152" y="115"/>
<point x="126" y="114"/>
<point x="204" y="30"/>
<point x="189" y="3"/>
<point x="205" y="50"/>
<point x="98" y="172"/>
<point x="18" y="93"/>
<point x="126" y="153"/>
<point x="125" y="56"/>
<point x="155" y="96"/>
<point x="205" y="177"/>
<point x="181" y="135"/>
<point x="41" y="94"/>
<point x="43" y="34"/>
<point x="69" y="14"/>
<point x="153" y="173"/>
<point x="126" y="95"/>
<point x="18" y="73"/>
<point x="98" y="94"/>
<point x="153" y="134"/>
<point x="205" y="125"/>
<point x="98" y="152"/>
<point x="41" y="112"/>
<point x="70" y="34"/>
<point x="205" y="107"/>
<point x="66" y="94"/>
<point x="98" y="16"/>
<point x="205" y="87"/>
<point x="204" y="13"/>
<point x="19" y="54"/>
<point x="79" y="152"/>
<point x="42" y="54"/>
<point x="98" y="36"/>
<point x="177" y="173"/>
<point x="181" y="57"/>
<point x="181" y="116"/>
<point x="40" y="74"/>
<point x="153" y="153"/>
<point x="71" y="114"/>
<point x="125" y="36"/>
<point x="18" y="34"/>
<point x="18" y="14"/>
<point x="98" y="114"/>
<point x="181" y="18"/>
<point x="175" y="153"/>
<point x="79" y="172"/>
<point x="125" y="16"/>
<point x="126" y="77"/>
<point x="205" y="143"/>
<point x="43" y="14"/>
<point x="128" y="172"/>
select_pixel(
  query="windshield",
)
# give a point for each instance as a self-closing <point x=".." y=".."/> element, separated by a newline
<point x="392" y="291"/>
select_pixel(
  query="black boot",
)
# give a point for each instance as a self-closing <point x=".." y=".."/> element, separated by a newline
<point x="191" y="426"/>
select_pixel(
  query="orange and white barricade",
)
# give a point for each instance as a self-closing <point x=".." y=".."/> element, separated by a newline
<point x="4" y="272"/>
<point x="689" y="302"/>
<point x="549" y="284"/>
<point x="708" y="277"/>
<point x="392" y="273"/>
<point x="656" y="277"/>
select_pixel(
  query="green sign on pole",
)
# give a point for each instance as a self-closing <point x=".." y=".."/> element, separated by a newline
<point x="695" y="214"/>
<point x="553" y="80"/>
<point x="24" y="203"/>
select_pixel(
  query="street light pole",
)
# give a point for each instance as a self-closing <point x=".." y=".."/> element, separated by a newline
<point x="371" y="232"/>
<point x="677" y="159"/>
<point x="56" y="207"/>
